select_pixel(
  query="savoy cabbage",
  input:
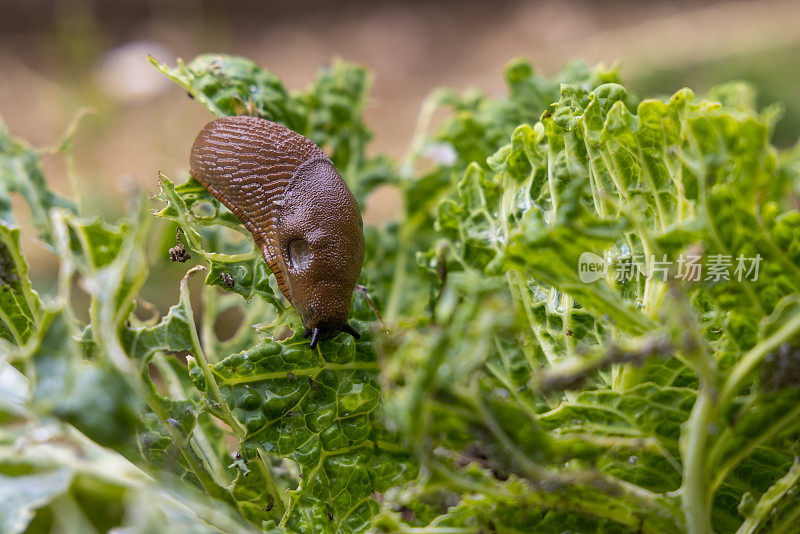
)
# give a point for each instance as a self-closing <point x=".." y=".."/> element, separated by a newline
<point x="591" y="307"/>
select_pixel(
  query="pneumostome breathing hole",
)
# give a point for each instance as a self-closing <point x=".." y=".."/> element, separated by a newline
<point x="299" y="254"/>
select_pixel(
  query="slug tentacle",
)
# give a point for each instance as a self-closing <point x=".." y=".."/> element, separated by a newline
<point x="303" y="217"/>
<point x="350" y="330"/>
<point x="314" y="339"/>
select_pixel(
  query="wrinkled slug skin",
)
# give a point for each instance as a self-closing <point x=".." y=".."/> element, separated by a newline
<point x="303" y="217"/>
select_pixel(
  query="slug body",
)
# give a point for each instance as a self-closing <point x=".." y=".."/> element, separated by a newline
<point x="305" y="220"/>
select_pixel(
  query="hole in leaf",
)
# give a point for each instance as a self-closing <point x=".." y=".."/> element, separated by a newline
<point x="234" y="241"/>
<point x="203" y="210"/>
<point x="284" y="332"/>
<point x="157" y="379"/>
<point x="288" y="470"/>
<point x="146" y="310"/>
<point x="80" y="299"/>
<point x="228" y="322"/>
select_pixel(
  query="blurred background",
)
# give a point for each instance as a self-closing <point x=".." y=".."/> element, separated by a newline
<point x="59" y="56"/>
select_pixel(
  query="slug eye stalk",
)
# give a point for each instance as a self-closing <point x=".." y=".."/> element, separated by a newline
<point x="314" y="339"/>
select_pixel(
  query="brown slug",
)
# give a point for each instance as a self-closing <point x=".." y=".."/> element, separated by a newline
<point x="305" y="220"/>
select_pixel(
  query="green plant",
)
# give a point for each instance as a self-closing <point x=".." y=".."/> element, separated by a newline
<point x="509" y="394"/>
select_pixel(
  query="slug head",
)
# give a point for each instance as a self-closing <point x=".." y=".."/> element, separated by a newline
<point x="321" y="238"/>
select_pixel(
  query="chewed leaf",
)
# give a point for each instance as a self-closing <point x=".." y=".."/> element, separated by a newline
<point x="329" y="111"/>
<point x="21" y="173"/>
<point x="19" y="303"/>
<point x="172" y="333"/>
<point x="229" y="85"/>
<point x="243" y="264"/>
<point x="320" y="409"/>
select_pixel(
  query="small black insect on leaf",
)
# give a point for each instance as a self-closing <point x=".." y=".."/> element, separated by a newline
<point x="227" y="279"/>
